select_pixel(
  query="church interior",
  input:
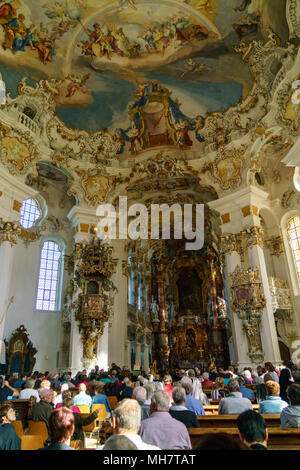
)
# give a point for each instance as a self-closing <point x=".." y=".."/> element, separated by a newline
<point x="168" y="102"/>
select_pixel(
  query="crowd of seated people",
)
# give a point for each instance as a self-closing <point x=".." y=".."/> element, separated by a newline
<point x="152" y="411"/>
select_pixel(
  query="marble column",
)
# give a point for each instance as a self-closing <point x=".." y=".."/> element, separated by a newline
<point x="239" y="338"/>
<point x="6" y="265"/>
<point x="138" y="356"/>
<point x="267" y="327"/>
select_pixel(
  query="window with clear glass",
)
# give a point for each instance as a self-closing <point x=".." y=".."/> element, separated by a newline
<point x="30" y="213"/>
<point x="49" y="276"/>
<point x="294" y="238"/>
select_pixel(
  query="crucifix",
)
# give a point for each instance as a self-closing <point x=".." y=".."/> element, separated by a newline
<point x="201" y="350"/>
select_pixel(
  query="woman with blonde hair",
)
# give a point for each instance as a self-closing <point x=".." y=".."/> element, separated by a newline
<point x="168" y="385"/>
<point x="218" y="389"/>
<point x="197" y="388"/>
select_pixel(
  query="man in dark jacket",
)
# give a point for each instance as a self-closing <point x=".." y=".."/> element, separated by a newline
<point x="179" y="410"/>
<point x="42" y="410"/>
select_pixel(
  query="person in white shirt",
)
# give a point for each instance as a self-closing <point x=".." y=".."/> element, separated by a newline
<point x="28" y="391"/>
<point x="82" y="398"/>
<point x="127" y="422"/>
<point x="59" y="398"/>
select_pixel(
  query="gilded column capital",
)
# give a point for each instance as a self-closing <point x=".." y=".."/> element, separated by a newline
<point x="275" y="245"/>
<point x="254" y="236"/>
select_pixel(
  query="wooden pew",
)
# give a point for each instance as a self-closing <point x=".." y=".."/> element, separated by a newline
<point x="229" y="421"/>
<point x="213" y="409"/>
<point x="22" y="408"/>
<point x="279" y="438"/>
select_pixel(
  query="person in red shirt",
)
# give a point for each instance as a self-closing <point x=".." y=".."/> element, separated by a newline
<point x="206" y="382"/>
<point x="168" y="385"/>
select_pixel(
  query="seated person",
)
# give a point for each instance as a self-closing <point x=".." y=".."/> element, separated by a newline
<point x="82" y="398"/>
<point x="61" y="429"/>
<point x="42" y="410"/>
<point x="252" y="430"/>
<point x="59" y="397"/>
<point x="118" y="442"/>
<point x="192" y="403"/>
<point x="206" y="382"/>
<point x="79" y="420"/>
<point x="140" y="395"/>
<point x="273" y="402"/>
<point x="6" y="390"/>
<point x="290" y="416"/>
<point x="9" y="440"/>
<point x="246" y="392"/>
<point x="28" y="391"/>
<point x="126" y="391"/>
<point x="218" y="391"/>
<point x="67" y="394"/>
<point x="234" y="403"/>
<point x="100" y="399"/>
<point x="20" y="382"/>
<point x="179" y="410"/>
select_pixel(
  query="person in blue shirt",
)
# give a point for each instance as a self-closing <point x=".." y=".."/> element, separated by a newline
<point x="99" y="398"/>
<point x="246" y="392"/>
<point x="192" y="403"/>
<point x="273" y="402"/>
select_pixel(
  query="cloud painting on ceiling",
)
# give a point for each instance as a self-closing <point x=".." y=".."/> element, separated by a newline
<point x="149" y="71"/>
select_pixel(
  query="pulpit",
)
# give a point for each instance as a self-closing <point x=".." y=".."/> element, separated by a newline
<point x="20" y="352"/>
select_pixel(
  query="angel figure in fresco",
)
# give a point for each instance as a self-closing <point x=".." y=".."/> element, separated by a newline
<point x="45" y="46"/>
<point x="76" y="84"/>
<point x="7" y="12"/>
<point x="182" y="134"/>
<point x="190" y="67"/>
<point x="17" y="35"/>
<point x="135" y="140"/>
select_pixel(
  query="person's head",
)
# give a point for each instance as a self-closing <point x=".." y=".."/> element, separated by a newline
<point x="219" y="383"/>
<point x="191" y="373"/>
<point x="293" y="393"/>
<point x="178" y="395"/>
<point x="233" y="386"/>
<point x="61" y="425"/>
<point x="29" y="383"/>
<point x="119" y="442"/>
<point x="205" y="375"/>
<point x="221" y="441"/>
<point x="158" y="386"/>
<point x="259" y="370"/>
<point x="127" y="417"/>
<point x="99" y="388"/>
<point x="285" y="376"/>
<point x="272" y="388"/>
<point x="150" y="389"/>
<point x="269" y="367"/>
<point x="247" y="374"/>
<point x="7" y="414"/>
<point x="45" y="384"/>
<point x="252" y="428"/>
<point x="114" y="372"/>
<point x="82" y="387"/>
<point x="68" y="402"/>
<point x="160" y="401"/>
<point x="127" y="381"/>
<point x="139" y="393"/>
<point x="64" y="387"/>
<point x="66" y="394"/>
<point x="268" y="377"/>
<point x="47" y="395"/>
<point x="167" y="379"/>
<point x="187" y="385"/>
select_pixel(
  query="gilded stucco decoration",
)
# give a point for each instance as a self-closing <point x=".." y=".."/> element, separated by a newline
<point x="248" y="302"/>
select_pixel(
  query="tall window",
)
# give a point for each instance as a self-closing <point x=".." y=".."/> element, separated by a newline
<point x="30" y="213"/>
<point x="49" y="277"/>
<point x="294" y="238"/>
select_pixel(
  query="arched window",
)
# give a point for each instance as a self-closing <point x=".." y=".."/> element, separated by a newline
<point x="30" y="213"/>
<point x="294" y="239"/>
<point x="48" y="292"/>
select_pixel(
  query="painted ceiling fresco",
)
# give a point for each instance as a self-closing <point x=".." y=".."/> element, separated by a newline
<point x="128" y="65"/>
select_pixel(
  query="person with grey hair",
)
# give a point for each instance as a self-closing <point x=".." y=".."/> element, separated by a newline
<point x="28" y="391"/>
<point x="179" y="410"/>
<point x="42" y="411"/>
<point x="161" y="429"/>
<point x="150" y="389"/>
<point x="192" y="403"/>
<point x="234" y="403"/>
<point x="139" y="394"/>
<point x="116" y="442"/>
<point x="126" y="421"/>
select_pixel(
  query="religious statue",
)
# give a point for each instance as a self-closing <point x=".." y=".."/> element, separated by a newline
<point x="154" y="310"/>
<point x="222" y="308"/>
<point x="251" y="328"/>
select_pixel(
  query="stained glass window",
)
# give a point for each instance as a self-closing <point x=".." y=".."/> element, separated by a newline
<point x="48" y="284"/>
<point x="30" y="213"/>
<point x="294" y="238"/>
